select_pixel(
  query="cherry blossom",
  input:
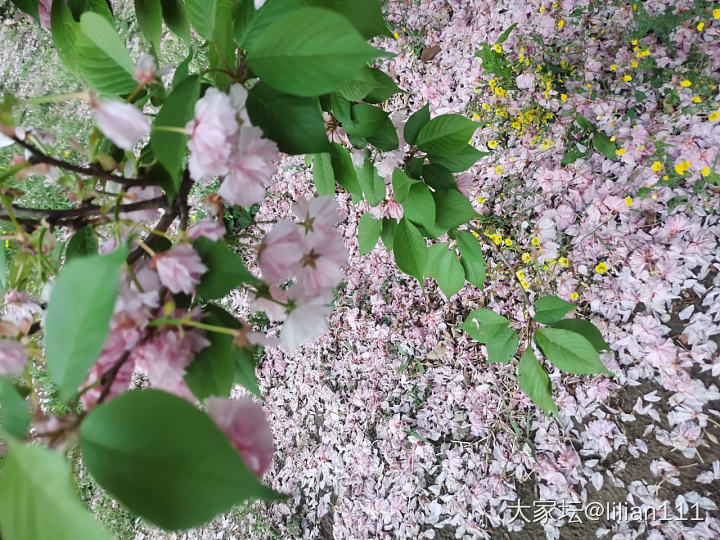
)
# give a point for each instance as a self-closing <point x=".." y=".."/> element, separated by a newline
<point x="12" y="358"/>
<point x="122" y="123"/>
<point x="180" y="268"/>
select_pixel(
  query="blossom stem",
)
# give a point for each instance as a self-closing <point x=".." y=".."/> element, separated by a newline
<point x="172" y="129"/>
<point x="57" y="98"/>
<point x="196" y="324"/>
<point x="147" y="249"/>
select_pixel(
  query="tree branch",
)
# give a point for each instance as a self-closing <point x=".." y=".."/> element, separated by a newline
<point x="58" y="217"/>
<point x="41" y="157"/>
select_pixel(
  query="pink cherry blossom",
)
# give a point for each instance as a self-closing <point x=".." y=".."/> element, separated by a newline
<point x="20" y="309"/>
<point x="280" y="252"/>
<point x="318" y="215"/>
<point x="44" y="9"/>
<point x="122" y="123"/>
<point x="245" y="424"/>
<point x="250" y="168"/>
<point x="138" y="194"/>
<point x="308" y="319"/>
<point x="322" y="262"/>
<point x="145" y="69"/>
<point x="180" y="268"/>
<point x="207" y="228"/>
<point x="212" y="134"/>
<point x="12" y="358"/>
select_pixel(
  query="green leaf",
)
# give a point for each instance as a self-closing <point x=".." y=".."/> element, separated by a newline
<point x="604" y="145"/>
<point x="452" y="208"/>
<point x="171" y="147"/>
<point x="401" y="185"/>
<point x="251" y="23"/>
<point x="174" y="15"/>
<point x="183" y="70"/>
<point x="586" y="329"/>
<point x="366" y="120"/>
<point x="446" y="134"/>
<point x="212" y="373"/>
<point x="3" y="269"/>
<point x="484" y="325"/>
<point x="28" y="6"/>
<point x="309" y="52"/>
<point x="569" y="351"/>
<point x="366" y="16"/>
<point x="64" y="30"/>
<point x="149" y="16"/>
<point x="202" y="16"/>
<point x="550" y="309"/>
<point x="78" y="7"/>
<point x="535" y="382"/>
<point x="78" y="317"/>
<point x="102" y="58"/>
<point x="165" y="460"/>
<point x="385" y="138"/>
<point x="410" y="249"/>
<point x="344" y="169"/>
<point x="369" y="230"/>
<point x="506" y="33"/>
<point x="502" y="349"/>
<point x="294" y="123"/>
<point x="419" y="205"/>
<point x="82" y="244"/>
<point x="471" y="257"/>
<point x="226" y="269"/>
<point x="444" y="266"/>
<point x="14" y="414"/>
<point x="384" y="88"/>
<point x="389" y="226"/>
<point x="372" y="184"/>
<point x="221" y="52"/>
<point x="37" y="500"/>
<point x="245" y="371"/>
<point x="438" y="177"/>
<point x="415" y="123"/>
<point x="323" y="174"/>
<point x="461" y="161"/>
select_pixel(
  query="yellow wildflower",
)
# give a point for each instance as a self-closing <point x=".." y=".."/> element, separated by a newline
<point x="634" y="64"/>
<point x="620" y="151"/>
<point x="686" y="83"/>
<point x="682" y="167"/>
<point x="656" y="166"/>
<point x="476" y="116"/>
<point x="497" y="48"/>
<point x="535" y="241"/>
<point x="705" y="172"/>
<point x="492" y="145"/>
<point x="561" y="24"/>
<point x="520" y="274"/>
<point x="396" y="35"/>
<point x="628" y="201"/>
<point x="476" y="235"/>
<point x="574" y="296"/>
<point x="716" y="13"/>
<point x="500" y="169"/>
<point x="481" y="199"/>
<point x="700" y="26"/>
<point x="525" y="258"/>
<point x="564" y="262"/>
<point x="497" y="239"/>
<point x="613" y="67"/>
<point x="525" y="284"/>
<point x="601" y="268"/>
<point x="508" y="242"/>
<point x="563" y="97"/>
<point x="713" y="116"/>
<point x="627" y="78"/>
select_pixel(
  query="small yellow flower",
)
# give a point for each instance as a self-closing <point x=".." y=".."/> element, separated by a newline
<point x="520" y="274"/>
<point x="653" y="196"/>
<point x="666" y="178"/>
<point x="643" y="54"/>
<point x="713" y="116"/>
<point x="716" y="13"/>
<point x="620" y="151"/>
<point x="705" y="172"/>
<point x="561" y="24"/>
<point x="601" y="268"/>
<point x="628" y="201"/>
<point x="574" y="296"/>
<point x="476" y="116"/>
<point x="612" y="139"/>
<point x="497" y="48"/>
<point x="634" y="42"/>
<point x="476" y="235"/>
<point x="508" y="242"/>
<point x="627" y="78"/>
<point x="497" y="239"/>
<point x="697" y="99"/>
<point x="492" y="145"/>
<point x="564" y="262"/>
<point x="542" y="9"/>
<point x="525" y="284"/>
<point x="682" y="167"/>
<point x="500" y="169"/>
<point x="634" y="64"/>
<point x="700" y="26"/>
<point x="396" y="35"/>
<point x="481" y="199"/>
<point x="656" y="166"/>
<point x="535" y="241"/>
<point x="686" y="83"/>
<point x="613" y="67"/>
<point x="563" y="97"/>
<point x="525" y="258"/>
<point x="67" y="153"/>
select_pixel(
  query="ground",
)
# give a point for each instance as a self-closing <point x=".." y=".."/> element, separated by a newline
<point x="393" y="425"/>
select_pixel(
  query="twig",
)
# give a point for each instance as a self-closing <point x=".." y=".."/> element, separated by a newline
<point x="41" y="157"/>
<point x="58" y="216"/>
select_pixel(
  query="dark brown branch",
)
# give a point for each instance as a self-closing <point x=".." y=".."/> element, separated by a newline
<point x="56" y="216"/>
<point x="108" y="377"/>
<point x="152" y="239"/>
<point x="41" y="157"/>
